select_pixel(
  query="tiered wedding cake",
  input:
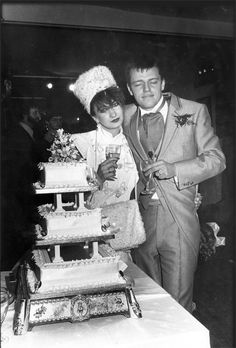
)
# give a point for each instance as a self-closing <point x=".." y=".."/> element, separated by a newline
<point x="51" y="289"/>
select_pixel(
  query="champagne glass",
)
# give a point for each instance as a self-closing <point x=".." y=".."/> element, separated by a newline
<point x="148" y="190"/>
<point x="91" y="176"/>
<point x="113" y="150"/>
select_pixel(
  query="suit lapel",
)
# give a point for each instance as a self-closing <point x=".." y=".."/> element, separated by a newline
<point x="169" y="132"/>
<point x="170" y="126"/>
<point x="134" y="136"/>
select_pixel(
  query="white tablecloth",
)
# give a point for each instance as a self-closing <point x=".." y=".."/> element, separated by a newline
<point x="165" y="324"/>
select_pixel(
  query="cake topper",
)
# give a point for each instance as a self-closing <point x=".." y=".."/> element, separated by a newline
<point x="63" y="148"/>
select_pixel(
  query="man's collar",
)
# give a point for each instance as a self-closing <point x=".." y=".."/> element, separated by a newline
<point x="153" y="110"/>
<point x="28" y="129"/>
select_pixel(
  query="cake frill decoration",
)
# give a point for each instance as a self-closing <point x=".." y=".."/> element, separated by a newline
<point x="63" y="148"/>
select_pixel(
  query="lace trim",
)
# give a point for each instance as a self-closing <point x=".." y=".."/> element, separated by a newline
<point x="40" y="260"/>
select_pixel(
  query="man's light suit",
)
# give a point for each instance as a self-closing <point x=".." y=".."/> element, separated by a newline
<point x="171" y="222"/>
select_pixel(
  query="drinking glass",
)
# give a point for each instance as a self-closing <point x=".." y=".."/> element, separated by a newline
<point x="112" y="150"/>
<point x="91" y="176"/>
<point x="148" y="190"/>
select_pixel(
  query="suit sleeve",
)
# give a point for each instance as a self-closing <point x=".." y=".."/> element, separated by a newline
<point x="209" y="160"/>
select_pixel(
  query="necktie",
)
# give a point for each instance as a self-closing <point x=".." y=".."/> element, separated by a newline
<point x="153" y="125"/>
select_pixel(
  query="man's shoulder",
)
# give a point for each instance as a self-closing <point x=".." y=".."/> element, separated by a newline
<point x="17" y="131"/>
<point x="187" y="102"/>
<point x="182" y="103"/>
<point x="129" y="111"/>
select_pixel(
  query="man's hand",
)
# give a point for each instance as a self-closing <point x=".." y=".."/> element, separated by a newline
<point x="107" y="169"/>
<point x="161" y="169"/>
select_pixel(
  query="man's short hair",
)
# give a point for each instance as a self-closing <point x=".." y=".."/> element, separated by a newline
<point x="142" y="62"/>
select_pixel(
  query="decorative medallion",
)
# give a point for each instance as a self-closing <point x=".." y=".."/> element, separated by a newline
<point x="80" y="308"/>
<point x="40" y="311"/>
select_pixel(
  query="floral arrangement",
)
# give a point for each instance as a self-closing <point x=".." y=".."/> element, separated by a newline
<point x="198" y="200"/>
<point x="209" y="240"/>
<point x="63" y="148"/>
<point x="182" y="120"/>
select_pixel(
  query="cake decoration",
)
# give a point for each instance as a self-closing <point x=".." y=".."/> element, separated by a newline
<point x="84" y="285"/>
<point x="63" y="148"/>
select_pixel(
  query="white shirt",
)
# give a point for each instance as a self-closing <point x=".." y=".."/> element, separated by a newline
<point x="92" y="146"/>
<point x="163" y="111"/>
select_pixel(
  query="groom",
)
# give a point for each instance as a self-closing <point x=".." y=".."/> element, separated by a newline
<point x="176" y="137"/>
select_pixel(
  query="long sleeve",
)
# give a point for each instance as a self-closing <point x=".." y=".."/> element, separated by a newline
<point x="209" y="160"/>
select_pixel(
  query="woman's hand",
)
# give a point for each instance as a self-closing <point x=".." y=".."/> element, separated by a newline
<point x="107" y="169"/>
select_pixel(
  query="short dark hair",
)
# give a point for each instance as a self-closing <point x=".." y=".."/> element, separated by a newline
<point x="107" y="98"/>
<point x="142" y="62"/>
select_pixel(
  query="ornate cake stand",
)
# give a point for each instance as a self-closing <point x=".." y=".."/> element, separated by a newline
<point x="71" y="306"/>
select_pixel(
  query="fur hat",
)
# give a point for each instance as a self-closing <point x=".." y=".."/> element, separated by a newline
<point x="91" y="82"/>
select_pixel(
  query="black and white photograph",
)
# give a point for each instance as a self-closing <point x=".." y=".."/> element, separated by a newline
<point x="118" y="174"/>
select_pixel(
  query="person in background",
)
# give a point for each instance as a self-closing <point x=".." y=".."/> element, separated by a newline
<point x="45" y="139"/>
<point x="97" y="90"/>
<point x="19" y="171"/>
<point x="175" y="146"/>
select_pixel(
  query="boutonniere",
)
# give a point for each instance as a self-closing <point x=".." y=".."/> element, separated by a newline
<point x="182" y="120"/>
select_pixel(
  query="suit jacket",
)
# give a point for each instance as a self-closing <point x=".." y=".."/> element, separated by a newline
<point x="21" y="157"/>
<point x="189" y="141"/>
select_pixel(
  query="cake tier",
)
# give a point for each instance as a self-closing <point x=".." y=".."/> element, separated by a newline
<point x="72" y="275"/>
<point x="64" y="174"/>
<point x="64" y="225"/>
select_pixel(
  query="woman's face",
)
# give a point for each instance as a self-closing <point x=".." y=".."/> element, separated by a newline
<point x="110" y="118"/>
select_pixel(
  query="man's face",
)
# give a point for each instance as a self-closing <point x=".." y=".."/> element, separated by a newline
<point x="146" y="86"/>
<point x="34" y="115"/>
<point x="55" y="123"/>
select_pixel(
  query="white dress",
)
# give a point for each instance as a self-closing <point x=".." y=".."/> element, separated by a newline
<point x="92" y="147"/>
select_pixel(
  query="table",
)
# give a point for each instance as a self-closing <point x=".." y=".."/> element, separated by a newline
<point x="165" y="324"/>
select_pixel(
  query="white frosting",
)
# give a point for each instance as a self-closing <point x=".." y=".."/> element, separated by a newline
<point x="69" y="225"/>
<point x="73" y="224"/>
<point x="61" y="174"/>
<point x="78" y="274"/>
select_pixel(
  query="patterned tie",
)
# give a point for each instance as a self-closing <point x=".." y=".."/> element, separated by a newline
<point x="153" y="126"/>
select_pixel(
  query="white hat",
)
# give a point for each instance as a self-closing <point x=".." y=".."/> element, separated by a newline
<point x="91" y="82"/>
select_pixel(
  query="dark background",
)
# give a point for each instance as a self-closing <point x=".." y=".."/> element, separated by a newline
<point x="32" y="56"/>
<point x="51" y="43"/>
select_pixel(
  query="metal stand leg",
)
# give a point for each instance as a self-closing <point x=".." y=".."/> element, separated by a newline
<point x="59" y="201"/>
<point x="81" y="200"/>
<point x="57" y="257"/>
<point x="76" y="204"/>
<point x="95" y="250"/>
